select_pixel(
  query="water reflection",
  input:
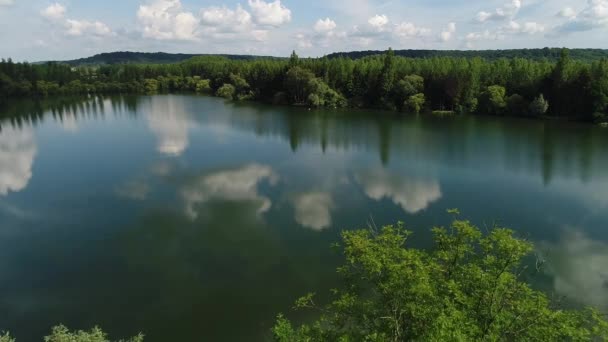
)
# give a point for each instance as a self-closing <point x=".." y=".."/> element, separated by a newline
<point x="579" y="267"/>
<point x="17" y="152"/>
<point x="313" y="209"/>
<point x="169" y="120"/>
<point x="411" y="193"/>
<point x="237" y="185"/>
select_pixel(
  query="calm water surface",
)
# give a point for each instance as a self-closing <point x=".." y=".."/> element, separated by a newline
<point x="191" y="219"/>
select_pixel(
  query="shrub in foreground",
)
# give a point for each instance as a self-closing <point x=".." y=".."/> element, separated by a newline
<point x="468" y="289"/>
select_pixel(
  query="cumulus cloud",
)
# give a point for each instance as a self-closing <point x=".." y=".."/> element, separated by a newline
<point x="238" y="185"/>
<point x="17" y="152"/>
<point x="325" y="25"/>
<point x="269" y="13"/>
<point x="448" y="32"/>
<point x="411" y="193"/>
<point x="579" y="266"/>
<point x="75" y="27"/>
<point x="84" y="27"/>
<point x="593" y="16"/>
<point x="407" y="30"/>
<point x="378" y="22"/>
<point x="54" y="11"/>
<point x="164" y="20"/>
<point x="508" y="11"/>
<point x="567" y="12"/>
<point x="225" y="23"/>
<point x="526" y="28"/>
<point x="313" y="210"/>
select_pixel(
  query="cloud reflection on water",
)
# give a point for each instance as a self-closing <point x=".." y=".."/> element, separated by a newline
<point x="413" y="193"/>
<point x="234" y="185"/>
<point x="313" y="210"/>
<point x="17" y="152"/>
<point x="169" y="120"/>
<point x="579" y="266"/>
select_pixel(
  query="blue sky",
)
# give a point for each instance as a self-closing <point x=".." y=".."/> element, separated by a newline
<point x="63" y="29"/>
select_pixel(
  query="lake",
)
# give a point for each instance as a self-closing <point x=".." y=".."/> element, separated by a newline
<point x="189" y="218"/>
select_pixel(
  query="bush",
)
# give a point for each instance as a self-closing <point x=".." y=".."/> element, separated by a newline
<point x="493" y="100"/>
<point x="226" y="91"/>
<point x="203" y="86"/>
<point x="62" y="334"/>
<point x="468" y="289"/>
<point x="517" y="104"/>
<point x="539" y="106"/>
<point x="415" y="103"/>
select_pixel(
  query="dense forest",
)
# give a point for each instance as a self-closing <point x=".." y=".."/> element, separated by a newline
<point x="568" y="88"/>
<point x="552" y="54"/>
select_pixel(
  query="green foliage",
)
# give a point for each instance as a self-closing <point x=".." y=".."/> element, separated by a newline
<point x="516" y="104"/>
<point x="226" y="91"/>
<point x="450" y="81"/>
<point x="415" y="103"/>
<point x="5" y="337"/>
<point x="203" y="86"/>
<point x="62" y="334"/>
<point x="468" y="289"/>
<point x="151" y="86"/>
<point x="539" y="106"/>
<point x="493" y="100"/>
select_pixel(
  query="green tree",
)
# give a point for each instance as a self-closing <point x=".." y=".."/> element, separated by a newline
<point x="469" y="288"/>
<point x="539" y="106"/>
<point x="517" y="105"/>
<point x="226" y="91"/>
<point x="493" y="100"/>
<point x="203" y="86"/>
<point x="415" y="103"/>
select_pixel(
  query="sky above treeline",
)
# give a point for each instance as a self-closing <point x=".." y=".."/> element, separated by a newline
<point x="35" y="30"/>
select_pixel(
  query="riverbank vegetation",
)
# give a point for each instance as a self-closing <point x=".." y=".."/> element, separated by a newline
<point x="566" y="89"/>
<point x="470" y="288"/>
<point x="62" y="334"/>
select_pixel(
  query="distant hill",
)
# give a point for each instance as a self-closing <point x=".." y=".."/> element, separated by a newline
<point x="537" y="54"/>
<point x="125" y="57"/>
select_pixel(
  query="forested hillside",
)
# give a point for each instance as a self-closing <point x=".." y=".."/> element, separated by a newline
<point x="125" y="57"/>
<point x="552" y="54"/>
<point x="519" y="87"/>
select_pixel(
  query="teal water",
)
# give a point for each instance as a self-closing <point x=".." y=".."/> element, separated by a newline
<point x="188" y="218"/>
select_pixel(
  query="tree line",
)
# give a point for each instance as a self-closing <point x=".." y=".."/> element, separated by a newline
<point x="568" y="88"/>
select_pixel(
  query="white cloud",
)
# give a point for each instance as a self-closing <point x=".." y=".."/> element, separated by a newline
<point x="593" y="16"/>
<point x="83" y="27"/>
<point x="164" y="20"/>
<point x="226" y="24"/>
<point x="567" y="12"/>
<point x="17" y="152"/>
<point x="6" y="2"/>
<point x="579" y="266"/>
<point x="269" y="13"/>
<point x="325" y="25"/>
<point x="411" y="193"/>
<point x="407" y="30"/>
<point x="378" y="22"/>
<point x="55" y="11"/>
<point x="508" y="11"/>
<point x="526" y="28"/>
<point x="74" y="27"/>
<point x="238" y="185"/>
<point x="448" y="33"/>
<point x="313" y="210"/>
